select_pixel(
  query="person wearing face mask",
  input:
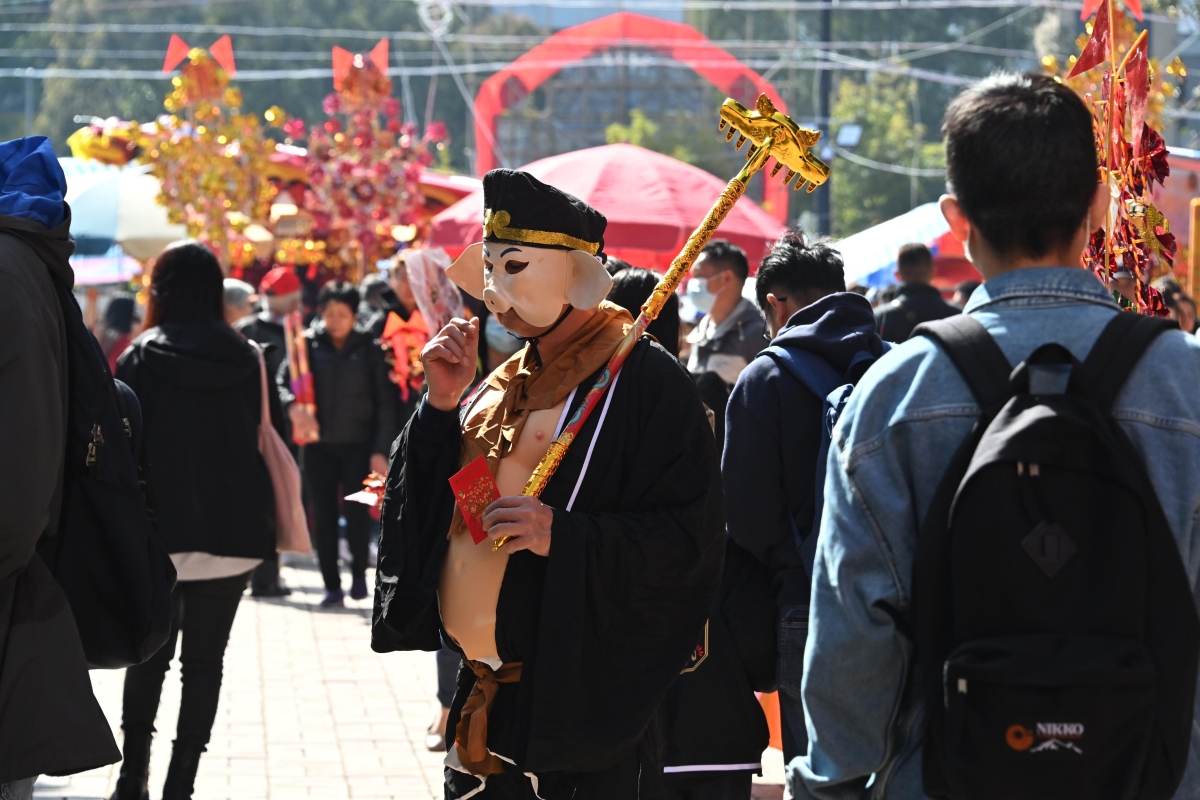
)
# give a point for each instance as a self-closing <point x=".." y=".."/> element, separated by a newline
<point x="574" y="629"/>
<point x="731" y="332"/>
<point x="350" y="435"/>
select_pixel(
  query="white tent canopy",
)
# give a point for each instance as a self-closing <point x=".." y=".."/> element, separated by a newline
<point x="870" y="256"/>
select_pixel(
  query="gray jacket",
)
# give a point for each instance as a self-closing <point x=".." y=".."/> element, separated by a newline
<point x="890" y="449"/>
<point x="726" y="348"/>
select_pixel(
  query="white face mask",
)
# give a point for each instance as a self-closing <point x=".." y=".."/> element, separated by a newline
<point x="530" y="280"/>
<point x="698" y="293"/>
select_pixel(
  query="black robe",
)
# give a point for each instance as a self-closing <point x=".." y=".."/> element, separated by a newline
<point x="604" y="625"/>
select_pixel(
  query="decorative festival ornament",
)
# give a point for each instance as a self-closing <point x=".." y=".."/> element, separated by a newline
<point x="1092" y="6"/>
<point x="109" y="141"/>
<point x="1113" y="29"/>
<point x="402" y="341"/>
<point x="210" y="158"/>
<point x="363" y="165"/>
<point x="1135" y="244"/>
<point x="299" y="374"/>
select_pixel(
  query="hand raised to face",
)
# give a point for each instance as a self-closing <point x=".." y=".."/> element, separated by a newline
<point x="450" y="360"/>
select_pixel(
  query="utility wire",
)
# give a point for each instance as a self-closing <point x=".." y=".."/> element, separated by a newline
<point x="895" y="169"/>
<point x="734" y="46"/>
<point x="831" y="61"/>
<point x="649" y="5"/>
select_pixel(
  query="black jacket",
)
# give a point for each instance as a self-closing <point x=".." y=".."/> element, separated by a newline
<point x="605" y="623"/>
<point x="916" y="303"/>
<point x="199" y="387"/>
<point x="50" y="722"/>
<point x="271" y="336"/>
<point x="356" y="401"/>
<point x="772" y="436"/>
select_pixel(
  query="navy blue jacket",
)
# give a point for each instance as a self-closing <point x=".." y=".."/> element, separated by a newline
<point x="773" y="434"/>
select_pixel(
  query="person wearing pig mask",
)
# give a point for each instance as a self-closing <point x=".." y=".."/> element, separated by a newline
<point x="574" y="629"/>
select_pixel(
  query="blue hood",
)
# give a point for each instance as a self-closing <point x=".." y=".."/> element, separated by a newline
<point x="835" y="327"/>
<point x="32" y="184"/>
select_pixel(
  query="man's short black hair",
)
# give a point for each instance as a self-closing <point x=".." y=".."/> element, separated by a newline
<point x="338" y="292"/>
<point x="728" y="254"/>
<point x="914" y="262"/>
<point x="797" y="265"/>
<point x="1021" y="159"/>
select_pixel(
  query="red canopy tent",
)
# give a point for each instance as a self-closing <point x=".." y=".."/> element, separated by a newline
<point x="653" y="203"/>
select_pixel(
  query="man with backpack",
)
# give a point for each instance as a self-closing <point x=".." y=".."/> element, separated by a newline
<point x="823" y="337"/>
<point x="50" y="721"/>
<point x="999" y="607"/>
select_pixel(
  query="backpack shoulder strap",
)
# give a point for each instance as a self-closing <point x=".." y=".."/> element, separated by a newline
<point x="808" y="368"/>
<point x="975" y="354"/>
<point x="1117" y="351"/>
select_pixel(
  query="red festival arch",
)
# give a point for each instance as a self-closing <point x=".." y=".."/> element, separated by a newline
<point x="682" y="43"/>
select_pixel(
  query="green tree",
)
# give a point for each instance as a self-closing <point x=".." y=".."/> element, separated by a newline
<point x="644" y="132"/>
<point x="864" y="196"/>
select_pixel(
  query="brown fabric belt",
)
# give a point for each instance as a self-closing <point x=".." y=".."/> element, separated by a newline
<point x="470" y="737"/>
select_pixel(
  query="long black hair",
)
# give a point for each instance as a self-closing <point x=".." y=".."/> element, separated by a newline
<point x="187" y="286"/>
<point x="631" y="287"/>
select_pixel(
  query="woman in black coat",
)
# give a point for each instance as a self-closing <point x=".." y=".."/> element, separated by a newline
<point x="199" y="386"/>
<point x="351" y="435"/>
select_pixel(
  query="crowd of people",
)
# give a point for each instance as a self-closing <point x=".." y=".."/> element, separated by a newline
<point x="962" y="579"/>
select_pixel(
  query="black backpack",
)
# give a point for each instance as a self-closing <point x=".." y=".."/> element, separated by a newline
<point x="106" y="554"/>
<point x="1057" y="637"/>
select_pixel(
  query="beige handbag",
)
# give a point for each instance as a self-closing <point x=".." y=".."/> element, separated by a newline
<point x="291" y="524"/>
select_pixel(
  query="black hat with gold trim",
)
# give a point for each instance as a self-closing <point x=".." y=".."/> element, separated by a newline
<point x="520" y="209"/>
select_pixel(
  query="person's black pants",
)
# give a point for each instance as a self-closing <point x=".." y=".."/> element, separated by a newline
<point x="448" y="663"/>
<point x="203" y="611"/>
<point x="265" y="576"/>
<point x="709" y="786"/>
<point x="333" y="471"/>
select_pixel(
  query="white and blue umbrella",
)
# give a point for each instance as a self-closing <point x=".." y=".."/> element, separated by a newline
<point x="117" y="205"/>
<point x="870" y="256"/>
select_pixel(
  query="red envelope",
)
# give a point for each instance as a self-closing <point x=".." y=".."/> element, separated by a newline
<point x="474" y="490"/>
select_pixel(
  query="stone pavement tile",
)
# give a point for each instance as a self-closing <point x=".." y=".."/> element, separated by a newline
<point x="307" y="711"/>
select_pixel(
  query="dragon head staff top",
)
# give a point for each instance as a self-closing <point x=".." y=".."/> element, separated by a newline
<point x="790" y="144"/>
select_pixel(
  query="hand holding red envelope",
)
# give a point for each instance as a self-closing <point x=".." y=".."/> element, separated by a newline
<point x="474" y="490"/>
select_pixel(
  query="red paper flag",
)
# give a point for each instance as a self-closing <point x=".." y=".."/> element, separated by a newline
<point x="1098" y="47"/>
<point x="1137" y="89"/>
<point x="380" y="55"/>
<point x="342" y="61"/>
<point x="1091" y="6"/>
<point x="222" y="52"/>
<point x="177" y="51"/>
<point x="474" y="490"/>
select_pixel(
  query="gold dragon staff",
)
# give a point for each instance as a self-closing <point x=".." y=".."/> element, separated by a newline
<point x="771" y="134"/>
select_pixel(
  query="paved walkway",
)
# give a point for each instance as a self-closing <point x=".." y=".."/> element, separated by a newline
<point x="307" y="710"/>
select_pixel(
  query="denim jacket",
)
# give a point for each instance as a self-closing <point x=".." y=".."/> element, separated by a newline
<point x="894" y="441"/>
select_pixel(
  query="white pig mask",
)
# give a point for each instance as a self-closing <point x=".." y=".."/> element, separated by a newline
<point x="534" y="281"/>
